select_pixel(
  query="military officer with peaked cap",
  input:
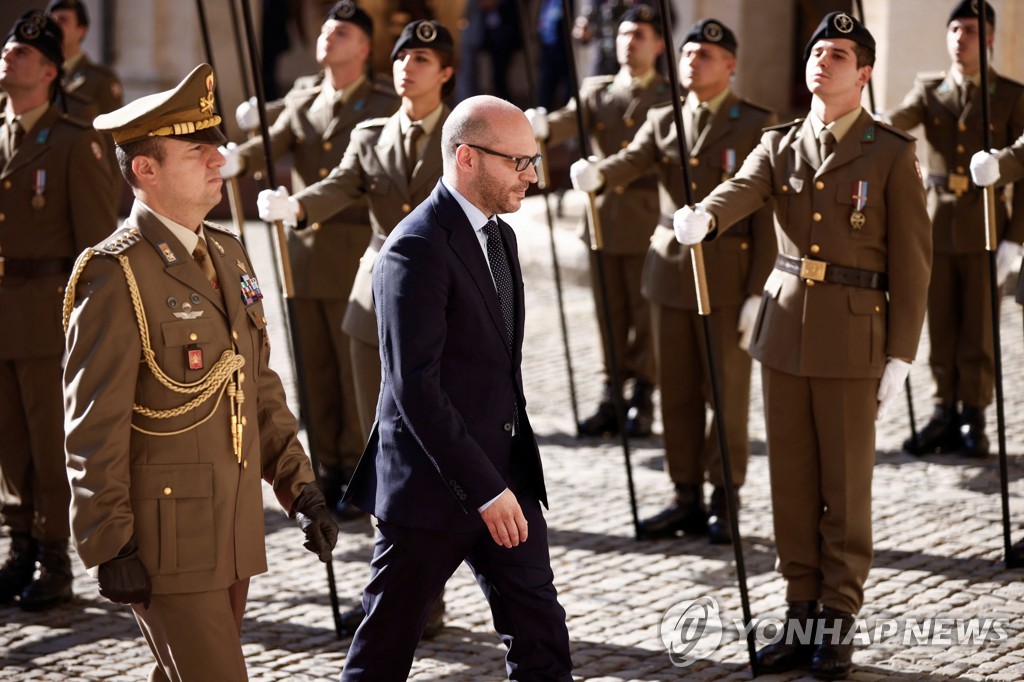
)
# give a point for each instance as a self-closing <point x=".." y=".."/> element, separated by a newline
<point x="837" y="329"/>
<point x="315" y="127"/>
<point x="55" y="200"/>
<point x="173" y="415"/>
<point x="614" y="107"/>
<point x="721" y="128"/>
<point x="962" y="355"/>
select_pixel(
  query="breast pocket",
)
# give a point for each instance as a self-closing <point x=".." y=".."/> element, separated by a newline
<point x="174" y="519"/>
<point x="190" y="347"/>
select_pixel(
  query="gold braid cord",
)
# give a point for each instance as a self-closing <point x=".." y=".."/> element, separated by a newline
<point x="224" y="377"/>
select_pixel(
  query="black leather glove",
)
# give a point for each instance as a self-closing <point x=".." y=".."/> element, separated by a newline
<point x="310" y="510"/>
<point x="124" y="579"/>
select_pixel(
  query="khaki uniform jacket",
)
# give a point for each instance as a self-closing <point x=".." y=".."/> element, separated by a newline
<point x="316" y="252"/>
<point x="951" y="137"/>
<point x="1011" y="169"/>
<point x="373" y="167"/>
<point x="830" y="330"/>
<point x="612" y="114"/>
<point x="738" y="263"/>
<point x="62" y="159"/>
<point x="196" y="511"/>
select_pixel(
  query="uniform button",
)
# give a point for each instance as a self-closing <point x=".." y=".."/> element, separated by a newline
<point x="962" y="127"/>
<point x="315" y="227"/>
<point x="878" y="309"/>
<point x="324" y="172"/>
<point x="244" y="420"/>
<point x="664" y="159"/>
<point x="935" y="121"/>
<point x="599" y="126"/>
<point x="785" y="188"/>
<point x="815" y="248"/>
<point x="819" y="185"/>
<point x="960" y="170"/>
<point x="693" y="185"/>
<point x="2" y="217"/>
<point x="328" y="146"/>
<point x="193" y="337"/>
<point x="744" y="246"/>
<point x="245" y="464"/>
<point x="7" y="184"/>
<point x="264" y="318"/>
<point x="620" y="189"/>
<point x="234" y="335"/>
<point x="816" y="217"/>
<point x="167" y="490"/>
<point x="810" y="282"/>
<point x="406" y="208"/>
<point x="624" y="144"/>
<point x="960" y="149"/>
<point x="630" y="122"/>
<point x="695" y="162"/>
<point x="507" y="426"/>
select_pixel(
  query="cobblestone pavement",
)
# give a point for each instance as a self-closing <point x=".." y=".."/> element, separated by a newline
<point x="938" y="543"/>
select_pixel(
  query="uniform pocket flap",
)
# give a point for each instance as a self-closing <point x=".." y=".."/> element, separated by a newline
<point x="866" y="302"/>
<point x="256" y="315"/>
<point x="185" y="332"/>
<point x="171" y="481"/>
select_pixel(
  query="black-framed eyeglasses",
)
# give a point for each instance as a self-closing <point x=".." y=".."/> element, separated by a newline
<point x="522" y="162"/>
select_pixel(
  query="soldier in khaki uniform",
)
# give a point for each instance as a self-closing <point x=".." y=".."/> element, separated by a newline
<point x="838" y="327"/>
<point x="315" y="127"/>
<point x="614" y="107"/>
<point x="173" y="415"/>
<point x="721" y="129"/>
<point x="54" y="202"/>
<point x="393" y="163"/>
<point x="962" y="356"/>
<point x="89" y="88"/>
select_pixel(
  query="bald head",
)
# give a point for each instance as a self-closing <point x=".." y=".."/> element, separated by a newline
<point x="478" y="142"/>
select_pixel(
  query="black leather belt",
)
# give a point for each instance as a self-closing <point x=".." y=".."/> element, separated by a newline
<point x="811" y="270"/>
<point x="376" y="242"/>
<point x="38" y="267"/>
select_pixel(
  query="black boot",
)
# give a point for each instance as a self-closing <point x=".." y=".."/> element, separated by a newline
<point x="795" y="647"/>
<point x="640" y="412"/>
<point x="687" y="514"/>
<point x="719" y="525"/>
<point x="833" y="659"/>
<point x="604" y="421"/>
<point x="16" y="573"/>
<point x="972" y="432"/>
<point x="53" y="586"/>
<point x="940" y="435"/>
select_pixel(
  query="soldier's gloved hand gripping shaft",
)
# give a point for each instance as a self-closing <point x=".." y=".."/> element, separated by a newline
<point x="310" y="510"/>
<point x="124" y="579"/>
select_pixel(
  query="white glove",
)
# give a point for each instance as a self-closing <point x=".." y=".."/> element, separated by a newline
<point x="748" y="315"/>
<point x="274" y="205"/>
<point x="232" y="161"/>
<point x="984" y="169"/>
<point x="691" y="225"/>
<point x="585" y="176"/>
<point x="538" y="118"/>
<point x="247" y="115"/>
<point x="1007" y="258"/>
<point x="893" y="377"/>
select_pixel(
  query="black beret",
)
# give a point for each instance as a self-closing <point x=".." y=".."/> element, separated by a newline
<point x="643" y="14"/>
<point x="968" y="9"/>
<point x="422" y="33"/>
<point x="712" y="31"/>
<point x="77" y="6"/>
<point x="348" y="10"/>
<point x="41" y="32"/>
<point x="840" y="25"/>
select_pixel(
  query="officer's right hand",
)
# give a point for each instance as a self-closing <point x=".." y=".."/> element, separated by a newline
<point x="984" y="169"/>
<point x="275" y="204"/>
<point x="124" y="579"/>
<point x="538" y="119"/>
<point x="247" y="115"/>
<point x="585" y="176"/>
<point x="691" y="225"/>
<point x="232" y="160"/>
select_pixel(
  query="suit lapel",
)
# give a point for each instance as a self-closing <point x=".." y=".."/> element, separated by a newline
<point x="849" y="148"/>
<point x="391" y="156"/>
<point x="428" y="168"/>
<point x="948" y="95"/>
<point x="227" y="275"/>
<point x="349" y="113"/>
<point x="34" y="144"/>
<point x="806" y="144"/>
<point x="719" y="126"/>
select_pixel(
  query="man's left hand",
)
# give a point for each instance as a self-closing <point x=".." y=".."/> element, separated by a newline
<point x="505" y="520"/>
<point x="310" y="510"/>
<point x="893" y="377"/>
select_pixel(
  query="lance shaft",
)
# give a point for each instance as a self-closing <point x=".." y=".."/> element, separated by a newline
<point x="991" y="245"/>
<point x="597" y="245"/>
<point x="704" y="311"/>
<point x="285" y="263"/>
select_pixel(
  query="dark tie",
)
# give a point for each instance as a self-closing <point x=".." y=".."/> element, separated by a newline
<point x="412" y="137"/>
<point x="966" y="92"/>
<point x="202" y="258"/>
<point x="700" y="122"/>
<point x="502" y="277"/>
<point x="826" y="142"/>
<point x="13" y="136"/>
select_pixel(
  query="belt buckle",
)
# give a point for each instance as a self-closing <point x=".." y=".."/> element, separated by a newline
<point x="812" y="270"/>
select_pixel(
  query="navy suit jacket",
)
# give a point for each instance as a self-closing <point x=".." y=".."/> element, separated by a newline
<point x="442" y="442"/>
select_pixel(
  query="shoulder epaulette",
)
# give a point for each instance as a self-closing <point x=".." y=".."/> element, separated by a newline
<point x="372" y="123"/>
<point x="75" y="121"/>
<point x="119" y="242"/>
<point x="931" y="76"/>
<point x="759" y="107"/>
<point x="784" y="126"/>
<point x="598" y="81"/>
<point x="894" y="130"/>
<point x="219" y="228"/>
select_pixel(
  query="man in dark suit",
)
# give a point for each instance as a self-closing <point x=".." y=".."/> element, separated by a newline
<point x="452" y="469"/>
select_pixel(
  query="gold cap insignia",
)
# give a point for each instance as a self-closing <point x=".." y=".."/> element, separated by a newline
<point x="206" y="103"/>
